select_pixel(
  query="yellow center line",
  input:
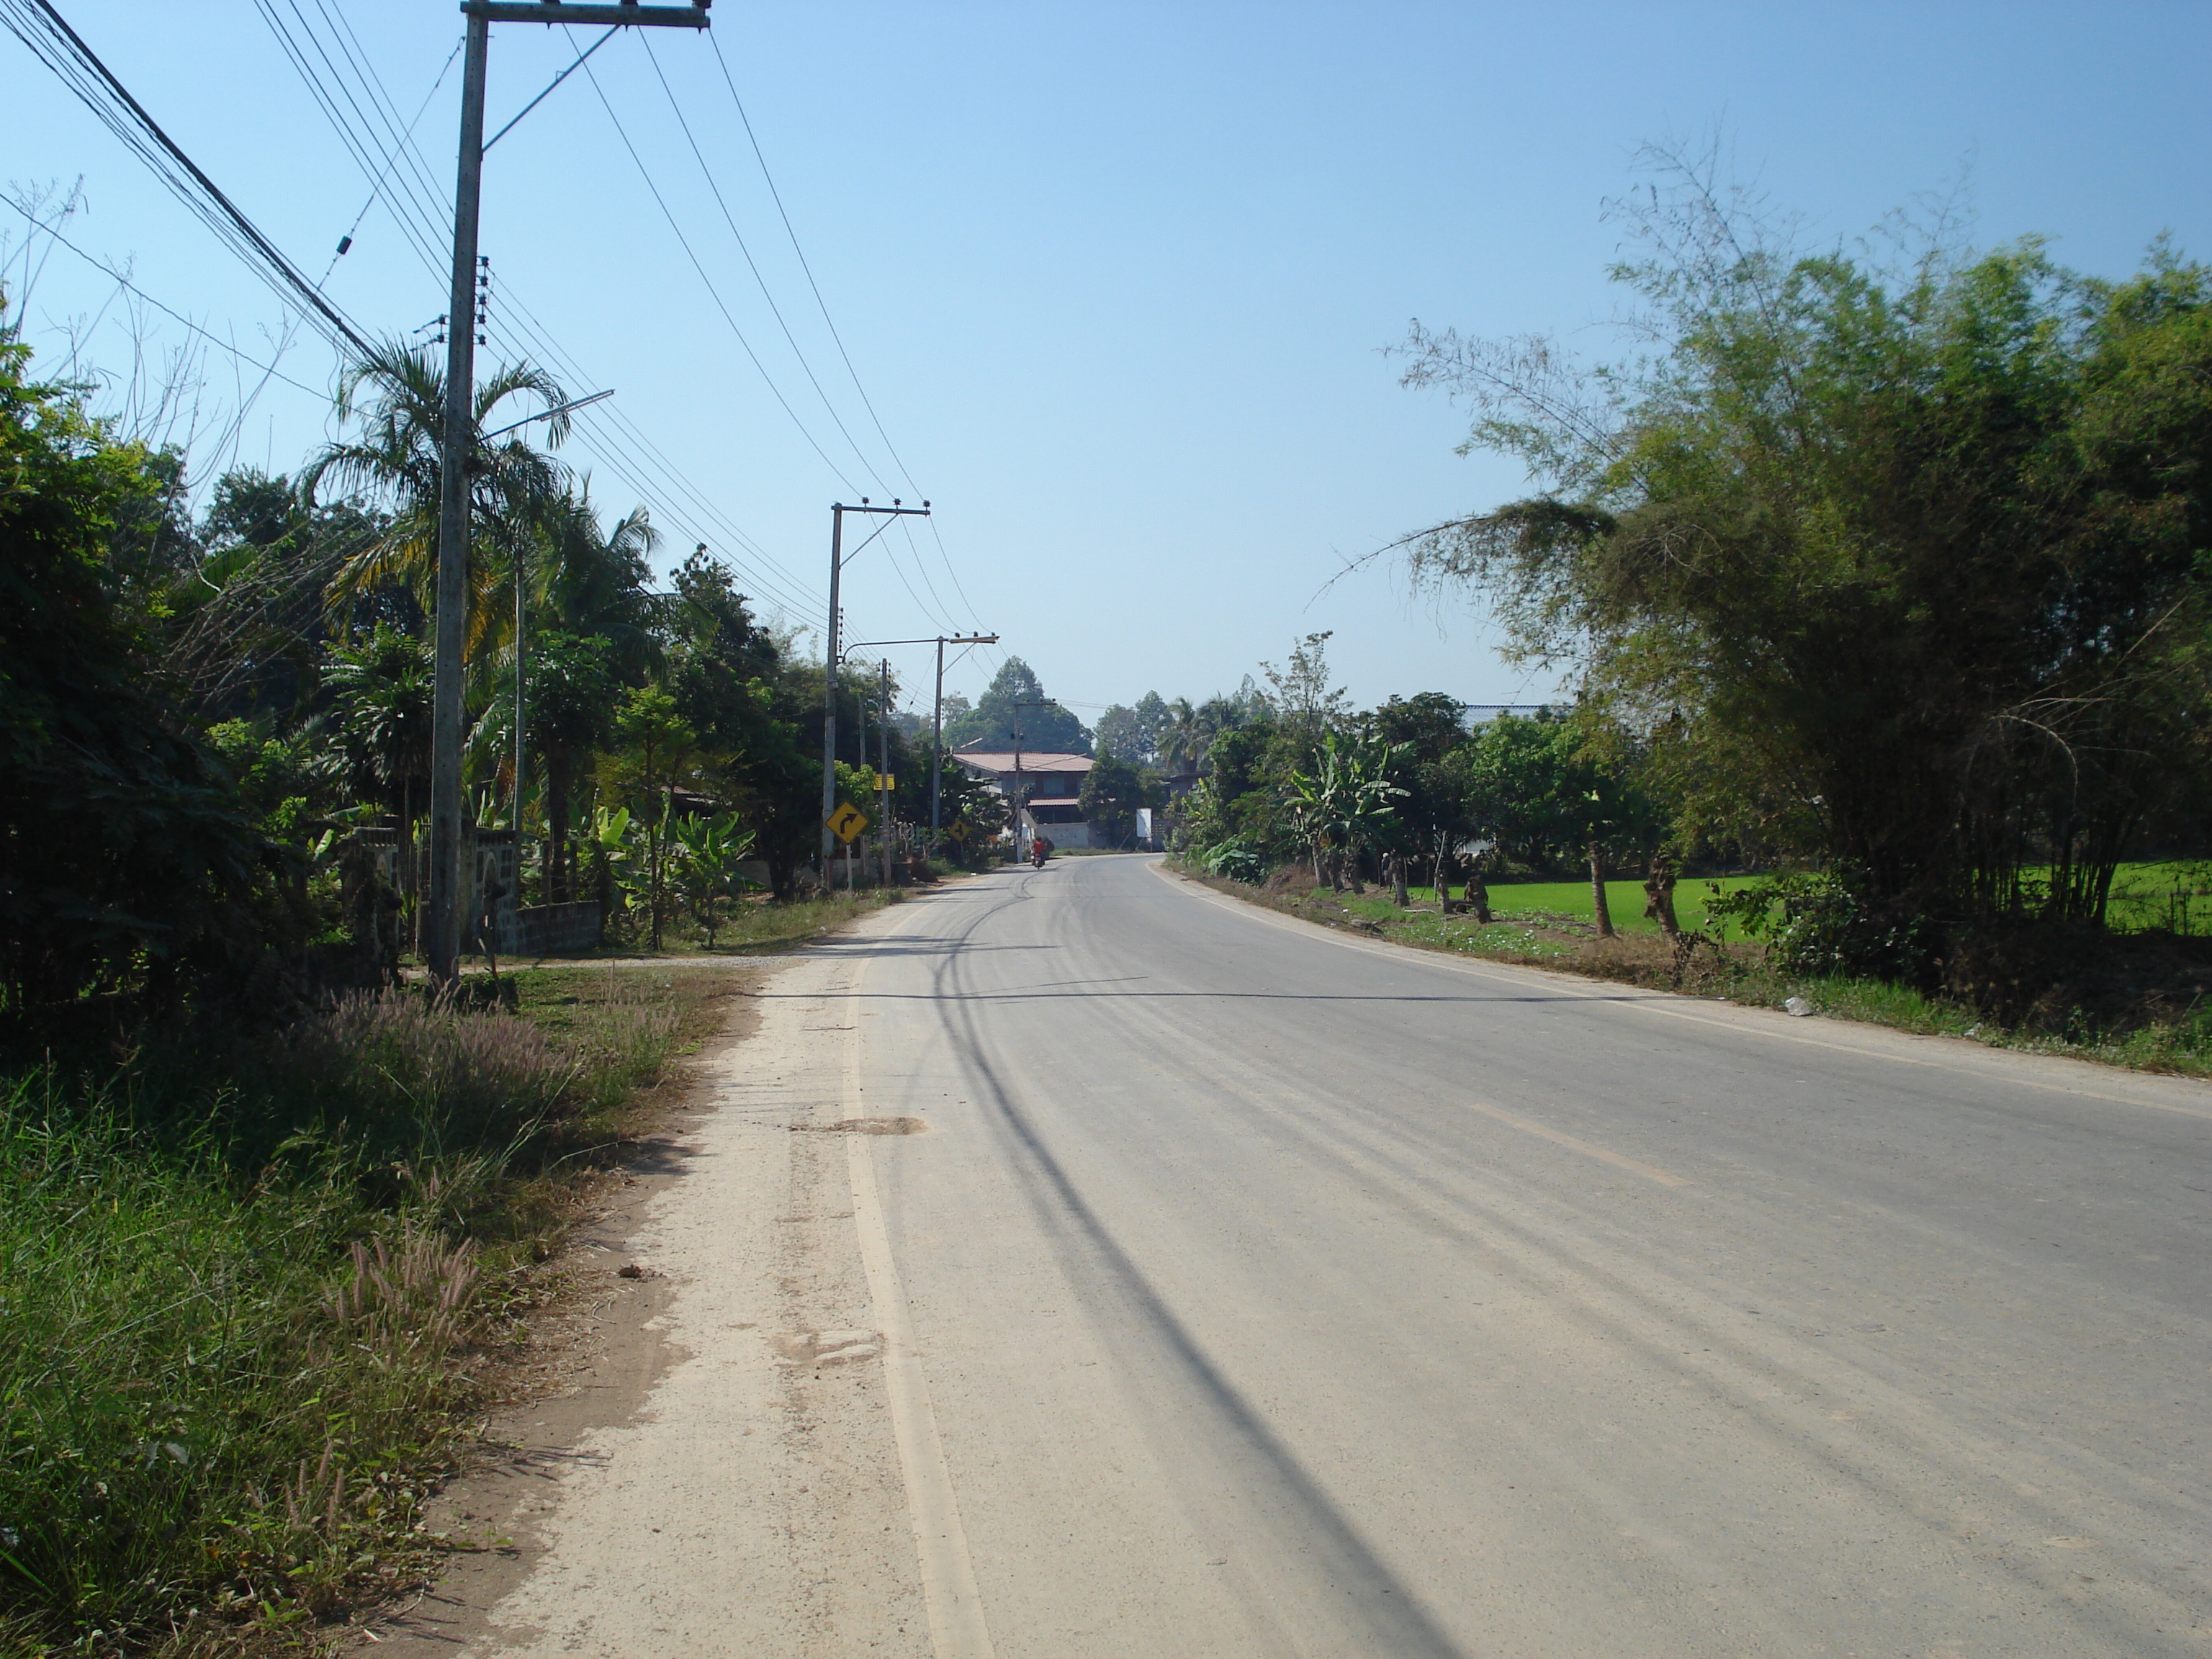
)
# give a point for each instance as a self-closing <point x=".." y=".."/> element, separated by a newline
<point x="1530" y="1126"/>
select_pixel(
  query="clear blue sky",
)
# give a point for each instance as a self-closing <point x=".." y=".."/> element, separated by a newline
<point x="1115" y="277"/>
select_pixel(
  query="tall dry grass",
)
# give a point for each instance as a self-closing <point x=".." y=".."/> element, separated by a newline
<point x="239" y="1290"/>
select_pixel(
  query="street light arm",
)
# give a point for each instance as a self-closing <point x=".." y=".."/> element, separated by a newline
<point x="546" y="414"/>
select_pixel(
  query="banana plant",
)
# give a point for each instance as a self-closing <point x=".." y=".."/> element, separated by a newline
<point x="708" y="853"/>
<point x="613" y="841"/>
<point x="1343" y="806"/>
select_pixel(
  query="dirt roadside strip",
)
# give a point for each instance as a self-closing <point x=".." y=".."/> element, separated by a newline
<point x="721" y="1473"/>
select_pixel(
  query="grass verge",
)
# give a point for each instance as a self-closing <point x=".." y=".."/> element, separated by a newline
<point x="251" y="1294"/>
<point x="1539" y="900"/>
<point x="1566" y="938"/>
<point x="752" y="927"/>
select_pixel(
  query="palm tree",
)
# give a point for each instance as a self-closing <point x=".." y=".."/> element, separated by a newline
<point x="1182" y="747"/>
<point x="593" y="582"/>
<point x="398" y="395"/>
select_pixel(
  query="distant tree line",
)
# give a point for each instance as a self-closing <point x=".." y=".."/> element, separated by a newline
<point x="1286" y="771"/>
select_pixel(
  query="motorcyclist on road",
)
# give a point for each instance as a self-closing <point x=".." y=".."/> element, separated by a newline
<point x="1040" y="850"/>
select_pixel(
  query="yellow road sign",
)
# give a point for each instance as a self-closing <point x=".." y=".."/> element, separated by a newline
<point x="847" y="822"/>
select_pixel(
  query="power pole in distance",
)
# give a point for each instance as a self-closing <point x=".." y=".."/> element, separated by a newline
<point x="838" y="560"/>
<point x="936" y="714"/>
<point x="443" y="939"/>
<point x="937" y="725"/>
<point x="884" y="776"/>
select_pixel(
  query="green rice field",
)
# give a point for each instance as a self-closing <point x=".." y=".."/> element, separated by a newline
<point x="2175" y="895"/>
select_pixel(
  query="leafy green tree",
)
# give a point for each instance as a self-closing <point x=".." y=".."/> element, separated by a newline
<point x="707" y="852"/>
<point x="1304" y="704"/>
<point x="1535" y="788"/>
<point x="1902" y="569"/>
<point x="574" y="689"/>
<point x="1112" y="790"/>
<point x="1116" y="733"/>
<point x="1135" y="734"/>
<point x="1152" y="712"/>
<point x="971" y="813"/>
<point x="274" y="774"/>
<point x="597" y="629"/>
<point x="380" y="691"/>
<point x="657" y="753"/>
<point x="1424" y="731"/>
<point x="126" y="863"/>
<point x="250" y="509"/>
<point x="994" y="719"/>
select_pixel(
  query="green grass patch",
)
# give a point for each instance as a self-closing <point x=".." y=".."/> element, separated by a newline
<point x="756" y="927"/>
<point x="1571" y="900"/>
<point x="2174" y="895"/>
<point x="247" y="1291"/>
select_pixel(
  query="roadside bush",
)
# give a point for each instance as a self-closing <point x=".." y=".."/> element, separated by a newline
<point x="1817" y="923"/>
<point x="212" y="1387"/>
<point x="239" y="1290"/>
<point x="1236" y="860"/>
<point x="2077" y="980"/>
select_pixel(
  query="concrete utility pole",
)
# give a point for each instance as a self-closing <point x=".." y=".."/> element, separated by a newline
<point x="1020" y="800"/>
<point x="884" y="774"/>
<point x="838" y="560"/>
<point x="937" y="725"/>
<point x="443" y="940"/>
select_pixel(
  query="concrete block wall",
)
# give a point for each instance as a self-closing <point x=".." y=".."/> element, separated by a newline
<point x="553" y="930"/>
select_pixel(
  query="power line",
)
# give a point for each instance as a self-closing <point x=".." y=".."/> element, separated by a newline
<point x="642" y="455"/>
<point x="101" y="265"/>
<point x="776" y="309"/>
<point x="413" y="221"/>
<point x="944" y="553"/>
<point x="64" y="52"/>
<point x="921" y="569"/>
<point x="730" y="81"/>
<point x="391" y="157"/>
<point x="646" y="174"/>
<point x="387" y="107"/>
<point x="80" y="69"/>
<point x="619" y="440"/>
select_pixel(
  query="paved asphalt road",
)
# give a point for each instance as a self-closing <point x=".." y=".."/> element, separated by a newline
<point x="1284" y="1293"/>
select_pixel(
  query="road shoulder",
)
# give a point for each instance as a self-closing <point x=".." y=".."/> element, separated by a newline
<point x="713" y="1465"/>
